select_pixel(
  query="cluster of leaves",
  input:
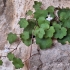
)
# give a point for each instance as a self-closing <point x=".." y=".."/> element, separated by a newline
<point x="64" y="17"/>
<point x="43" y="30"/>
<point x="17" y="62"/>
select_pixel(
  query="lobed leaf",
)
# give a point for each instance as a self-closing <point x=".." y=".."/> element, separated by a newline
<point x="23" y="23"/>
<point x="31" y="26"/>
<point x="60" y="33"/>
<point x="66" y="38"/>
<point x="10" y="56"/>
<point x="27" y="42"/>
<point x="40" y="13"/>
<point x="50" y="9"/>
<point x="24" y="35"/>
<point x="39" y="32"/>
<point x="45" y="26"/>
<point x="11" y="38"/>
<point x="44" y="43"/>
<point x="17" y="62"/>
<point x="37" y="5"/>
<point x="67" y="24"/>
<point x="50" y="32"/>
<point x="29" y="12"/>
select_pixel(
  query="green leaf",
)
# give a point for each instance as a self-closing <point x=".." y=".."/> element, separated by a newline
<point x="44" y="43"/>
<point x="67" y="24"/>
<point x="39" y="32"/>
<point x="50" y="9"/>
<point x="52" y="15"/>
<point x="66" y="38"/>
<point x="41" y="20"/>
<point x="47" y="22"/>
<point x="37" y="5"/>
<point x="29" y="12"/>
<point x="11" y="38"/>
<point x="35" y="32"/>
<point x="10" y="56"/>
<point x="23" y="23"/>
<point x="62" y="16"/>
<point x="27" y="42"/>
<point x="66" y="11"/>
<point x="31" y="25"/>
<point x="45" y="26"/>
<point x="56" y="26"/>
<point x="24" y="35"/>
<point x="60" y="33"/>
<point x="17" y="62"/>
<point x="61" y="10"/>
<point x="1" y="62"/>
<point x="40" y="13"/>
<point x="50" y="32"/>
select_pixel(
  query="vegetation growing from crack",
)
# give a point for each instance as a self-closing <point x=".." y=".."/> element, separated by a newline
<point x="45" y="26"/>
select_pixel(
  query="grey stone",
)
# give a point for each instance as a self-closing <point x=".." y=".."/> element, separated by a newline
<point x="35" y="62"/>
<point x="56" y="58"/>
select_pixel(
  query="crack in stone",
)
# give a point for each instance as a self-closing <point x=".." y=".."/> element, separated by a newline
<point x="40" y="66"/>
<point x="4" y="1"/>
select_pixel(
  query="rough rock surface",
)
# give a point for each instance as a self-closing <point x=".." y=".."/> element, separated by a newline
<point x="56" y="58"/>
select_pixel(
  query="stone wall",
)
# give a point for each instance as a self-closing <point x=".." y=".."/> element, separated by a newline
<point x="10" y="13"/>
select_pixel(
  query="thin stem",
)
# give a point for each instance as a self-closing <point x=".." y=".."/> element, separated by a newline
<point x="31" y="45"/>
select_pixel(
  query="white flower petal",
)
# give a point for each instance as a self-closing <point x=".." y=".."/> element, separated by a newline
<point x="6" y="50"/>
<point x="49" y="18"/>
